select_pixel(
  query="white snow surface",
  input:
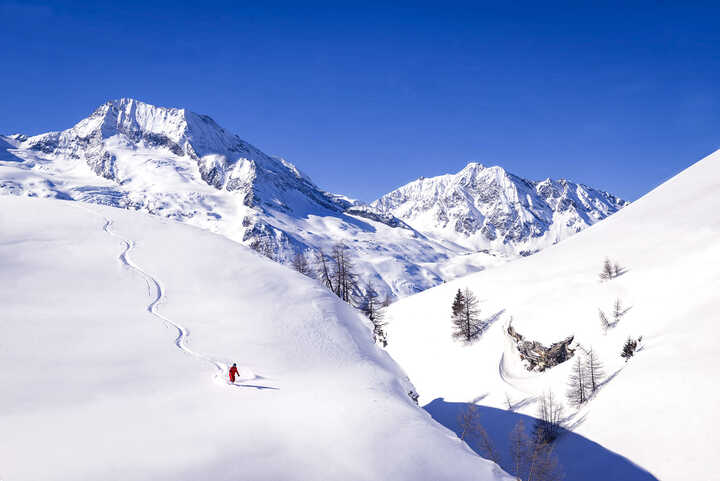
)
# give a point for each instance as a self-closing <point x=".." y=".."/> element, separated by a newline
<point x="659" y="410"/>
<point x="119" y="328"/>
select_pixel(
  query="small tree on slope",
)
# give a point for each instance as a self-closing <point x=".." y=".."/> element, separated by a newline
<point x="629" y="347"/>
<point x="594" y="370"/>
<point x="618" y="312"/>
<point x="465" y="312"/>
<point x="549" y="419"/>
<point x="323" y="268"/>
<point x="470" y="427"/>
<point x="578" y="386"/>
<point x="532" y="458"/>
<point x="604" y="323"/>
<point x="373" y="309"/>
<point x="344" y="278"/>
<point x="608" y="271"/>
<point x="300" y="264"/>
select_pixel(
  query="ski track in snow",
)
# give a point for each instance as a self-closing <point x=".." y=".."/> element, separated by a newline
<point x="181" y="340"/>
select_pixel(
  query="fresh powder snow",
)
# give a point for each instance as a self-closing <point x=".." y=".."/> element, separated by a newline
<point x="119" y="329"/>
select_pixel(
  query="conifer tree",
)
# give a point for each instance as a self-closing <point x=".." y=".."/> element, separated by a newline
<point x="465" y="312"/>
<point x="629" y="347"/>
<point x="374" y="311"/>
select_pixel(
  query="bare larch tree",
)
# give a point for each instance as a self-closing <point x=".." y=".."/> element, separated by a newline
<point x="471" y="428"/>
<point x="594" y="370"/>
<point x="300" y="264"/>
<point x="578" y="387"/>
<point x="549" y="418"/>
<point x="604" y="322"/>
<point x="344" y="279"/>
<point x="533" y="459"/>
<point x="264" y="246"/>
<point x="607" y="272"/>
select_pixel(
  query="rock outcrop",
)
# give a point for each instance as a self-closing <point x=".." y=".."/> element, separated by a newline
<point x="538" y="356"/>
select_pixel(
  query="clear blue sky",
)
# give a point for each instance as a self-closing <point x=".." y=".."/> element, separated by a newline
<point x="365" y="98"/>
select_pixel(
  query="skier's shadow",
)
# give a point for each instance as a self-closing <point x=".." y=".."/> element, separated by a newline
<point x="257" y="377"/>
<point x="259" y="388"/>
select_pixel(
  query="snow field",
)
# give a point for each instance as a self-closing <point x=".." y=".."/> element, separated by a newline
<point x="96" y="386"/>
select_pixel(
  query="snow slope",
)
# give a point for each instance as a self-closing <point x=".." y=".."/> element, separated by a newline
<point x="118" y="329"/>
<point x="659" y="410"/>
<point x="488" y="208"/>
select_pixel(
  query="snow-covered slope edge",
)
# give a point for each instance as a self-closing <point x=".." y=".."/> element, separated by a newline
<point x="95" y="384"/>
<point x="658" y="409"/>
<point x="488" y="208"/>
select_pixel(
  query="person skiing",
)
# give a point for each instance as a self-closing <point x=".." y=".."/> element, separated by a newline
<point x="233" y="372"/>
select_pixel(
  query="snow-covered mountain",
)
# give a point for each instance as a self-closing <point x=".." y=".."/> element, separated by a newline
<point x="489" y="208"/>
<point x="654" y="416"/>
<point x="181" y="165"/>
<point x="118" y="332"/>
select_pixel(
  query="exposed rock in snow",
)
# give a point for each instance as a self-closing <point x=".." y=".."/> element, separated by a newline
<point x="539" y="357"/>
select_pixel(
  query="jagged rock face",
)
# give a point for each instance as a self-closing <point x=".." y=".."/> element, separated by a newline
<point x="539" y="357"/>
<point x="486" y="207"/>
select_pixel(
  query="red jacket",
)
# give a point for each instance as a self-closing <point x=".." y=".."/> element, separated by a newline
<point x="233" y="373"/>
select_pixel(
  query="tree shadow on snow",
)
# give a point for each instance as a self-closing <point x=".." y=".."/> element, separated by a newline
<point x="580" y="458"/>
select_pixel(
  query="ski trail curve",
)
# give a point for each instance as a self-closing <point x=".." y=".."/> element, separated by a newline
<point x="156" y="288"/>
<point x="157" y="293"/>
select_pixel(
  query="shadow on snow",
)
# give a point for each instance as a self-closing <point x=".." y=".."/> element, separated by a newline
<point x="579" y="458"/>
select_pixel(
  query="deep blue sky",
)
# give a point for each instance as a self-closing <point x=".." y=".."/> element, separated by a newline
<point x="365" y="98"/>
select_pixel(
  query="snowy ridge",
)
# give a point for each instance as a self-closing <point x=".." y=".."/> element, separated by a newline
<point x="489" y="208"/>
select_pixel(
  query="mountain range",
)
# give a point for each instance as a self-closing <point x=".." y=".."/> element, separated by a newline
<point x="184" y="166"/>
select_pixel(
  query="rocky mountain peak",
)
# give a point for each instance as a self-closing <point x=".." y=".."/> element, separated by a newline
<point x="489" y="208"/>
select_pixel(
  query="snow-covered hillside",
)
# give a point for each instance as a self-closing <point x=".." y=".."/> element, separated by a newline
<point x="659" y="410"/>
<point x="118" y="329"/>
<point x="489" y="208"/>
<point x="181" y="165"/>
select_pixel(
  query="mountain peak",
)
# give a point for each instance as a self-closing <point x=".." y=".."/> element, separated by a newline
<point x="486" y="207"/>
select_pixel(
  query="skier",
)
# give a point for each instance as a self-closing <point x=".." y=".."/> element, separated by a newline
<point x="233" y="372"/>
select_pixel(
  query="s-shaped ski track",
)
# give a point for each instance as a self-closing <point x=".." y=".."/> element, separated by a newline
<point x="157" y="293"/>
